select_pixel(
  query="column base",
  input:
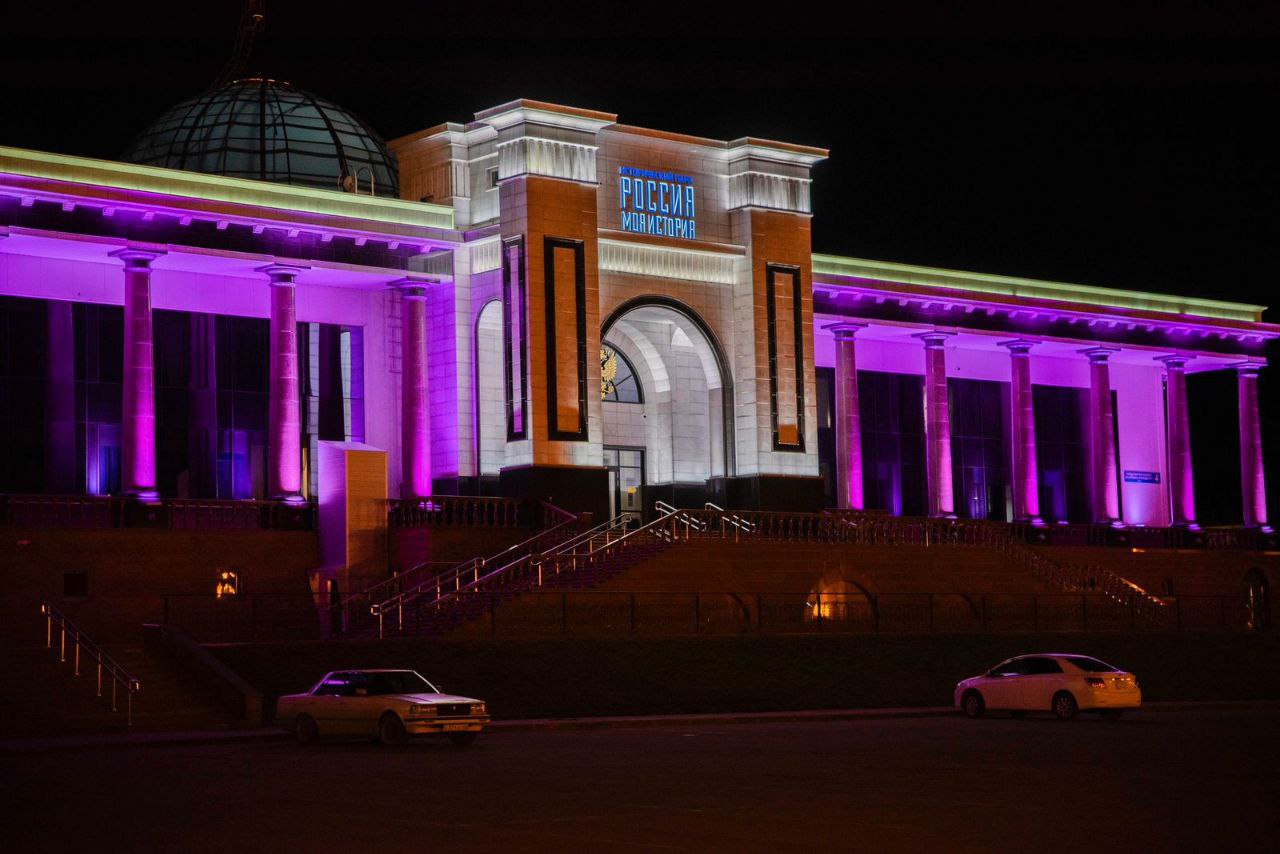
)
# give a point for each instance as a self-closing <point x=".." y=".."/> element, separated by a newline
<point x="1033" y="521"/>
<point x="578" y="489"/>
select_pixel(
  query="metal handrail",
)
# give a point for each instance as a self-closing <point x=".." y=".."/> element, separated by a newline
<point x="453" y="577"/>
<point x="81" y="641"/>
<point x="732" y="519"/>
<point x="690" y="521"/>
<point x="511" y="572"/>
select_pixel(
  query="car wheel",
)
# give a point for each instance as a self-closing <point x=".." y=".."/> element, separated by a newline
<point x="1019" y="715"/>
<point x="972" y="704"/>
<point x="462" y="739"/>
<point x="1111" y="714"/>
<point x="391" y="730"/>
<point x="305" y="729"/>
<point x="1065" y="706"/>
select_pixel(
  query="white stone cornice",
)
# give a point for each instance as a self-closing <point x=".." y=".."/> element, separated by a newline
<point x="774" y="192"/>
<point x="690" y="265"/>
<point x="529" y="155"/>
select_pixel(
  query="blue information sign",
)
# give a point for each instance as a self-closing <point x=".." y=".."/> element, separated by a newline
<point x="659" y="203"/>
<point x="1131" y="476"/>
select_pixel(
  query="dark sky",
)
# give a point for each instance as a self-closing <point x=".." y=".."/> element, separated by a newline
<point x="1131" y="148"/>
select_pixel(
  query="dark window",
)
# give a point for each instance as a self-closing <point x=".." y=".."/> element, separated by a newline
<point x="979" y="411"/>
<point x="75" y="584"/>
<point x="825" y="385"/>
<point x="1017" y="667"/>
<point x="1061" y="452"/>
<point x="99" y="333"/>
<point x="1090" y="665"/>
<point x="1042" y="666"/>
<point x="331" y="364"/>
<point x="891" y="408"/>
<point x="23" y="371"/>
<point x="337" y="685"/>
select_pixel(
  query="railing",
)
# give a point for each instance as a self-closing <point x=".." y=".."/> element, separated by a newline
<point x="176" y="514"/>
<point x="526" y="572"/>
<point x="470" y="510"/>
<point x="677" y="516"/>
<point x="398" y="592"/>
<point x="81" y="643"/>
<point x="611" y="613"/>
<point x="730" y="521"/>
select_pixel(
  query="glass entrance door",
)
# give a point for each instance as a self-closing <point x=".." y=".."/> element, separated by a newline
<point x="626" y="481"/>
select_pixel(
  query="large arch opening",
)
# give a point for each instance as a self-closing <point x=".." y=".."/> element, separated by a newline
<point x="667" y="405"/>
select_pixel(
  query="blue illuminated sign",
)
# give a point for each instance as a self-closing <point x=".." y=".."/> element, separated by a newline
<point x="657" y="203"/>
<point x="1131" y="476"/>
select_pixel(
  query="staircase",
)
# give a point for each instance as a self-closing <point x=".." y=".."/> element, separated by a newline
<point x="42" y="696"/>
<point x="475" y="589"/>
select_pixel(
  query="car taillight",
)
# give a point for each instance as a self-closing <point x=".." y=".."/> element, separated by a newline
<point x="1095" y="683"/>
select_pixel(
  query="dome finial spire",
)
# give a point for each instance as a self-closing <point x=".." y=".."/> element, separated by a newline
<point x="253" y="20"/>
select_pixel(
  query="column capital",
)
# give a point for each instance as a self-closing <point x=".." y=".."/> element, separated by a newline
<point x="1250" y="368"/>
<point x="934" y="339"/>
<point x="1019" y="346"/>
<point x="1099" y="355"/>
<point x="1174" y="361"/>
<point x="282" y="274"/>
<point x="412" y="287"/>
<point x="136" y="258"/>
<point x="844" y="330"/>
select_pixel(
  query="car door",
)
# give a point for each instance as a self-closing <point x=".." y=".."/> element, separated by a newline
<point x="1001" y="686"/>
<point x="1037" y="687"/>
<point x="325" y="703"/>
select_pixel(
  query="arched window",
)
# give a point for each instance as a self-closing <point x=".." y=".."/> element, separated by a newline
<point x="618" y="380"/>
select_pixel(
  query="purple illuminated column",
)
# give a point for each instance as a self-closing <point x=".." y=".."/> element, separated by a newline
<point x="1181" y="485"/>
<point x="847" y="418"/>
<point x="284" y="423"/>
<point x="415" y="432"/>
<point x="1026" y="485"/>
<point x="138" y="413"/>
<point x="1253" y="483"/>
<point x="1102" y="437"/>
<point x="937" y="425"/>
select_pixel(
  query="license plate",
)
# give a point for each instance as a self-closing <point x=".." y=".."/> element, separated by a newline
<point x="452" y="727"/>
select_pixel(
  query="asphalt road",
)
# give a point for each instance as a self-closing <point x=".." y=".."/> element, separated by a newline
<point x="1203" y="780"/>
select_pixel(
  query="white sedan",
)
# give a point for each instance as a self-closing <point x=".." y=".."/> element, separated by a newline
<point x="1052" y="682"/>
<point x="386" y="705"/>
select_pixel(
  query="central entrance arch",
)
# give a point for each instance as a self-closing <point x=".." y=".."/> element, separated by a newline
<point x="680" y="413"/>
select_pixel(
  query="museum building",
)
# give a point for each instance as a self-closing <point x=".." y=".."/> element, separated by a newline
<point x="545" y="303"/>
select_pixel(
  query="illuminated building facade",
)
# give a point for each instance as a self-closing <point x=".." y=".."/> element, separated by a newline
<point x="546" y="303"/>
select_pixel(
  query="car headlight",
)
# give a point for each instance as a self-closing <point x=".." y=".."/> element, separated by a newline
<point x="416" y="709"/>
<point x="477" y="708"/>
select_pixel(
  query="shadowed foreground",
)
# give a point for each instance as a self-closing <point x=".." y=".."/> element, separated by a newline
<point x="1160" y="780"/>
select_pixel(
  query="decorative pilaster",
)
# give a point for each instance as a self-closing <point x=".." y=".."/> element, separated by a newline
<point x="415" y="419"/>
<point x="937" y="425"/>
<point x="1253" y="482"/>
<point x="1026" y="485"/>
<point x="1181" y="484"/>
<point x="284" y="426"/>
<point x="1102" y="438"/>
<point x="848" y="421"/>
<point x="138" y="413"/>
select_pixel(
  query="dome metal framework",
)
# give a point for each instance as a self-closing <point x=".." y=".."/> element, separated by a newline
<point x="268" y="130"/>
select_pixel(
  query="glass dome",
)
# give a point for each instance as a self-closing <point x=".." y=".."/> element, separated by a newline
<point x="269" y="131"/>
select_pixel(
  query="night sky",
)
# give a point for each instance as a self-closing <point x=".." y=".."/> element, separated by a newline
<point x="1126" y="147"/>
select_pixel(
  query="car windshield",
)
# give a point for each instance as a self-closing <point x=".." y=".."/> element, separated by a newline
<point x="1090" y="665"/>
<point x="399" y="682"/>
